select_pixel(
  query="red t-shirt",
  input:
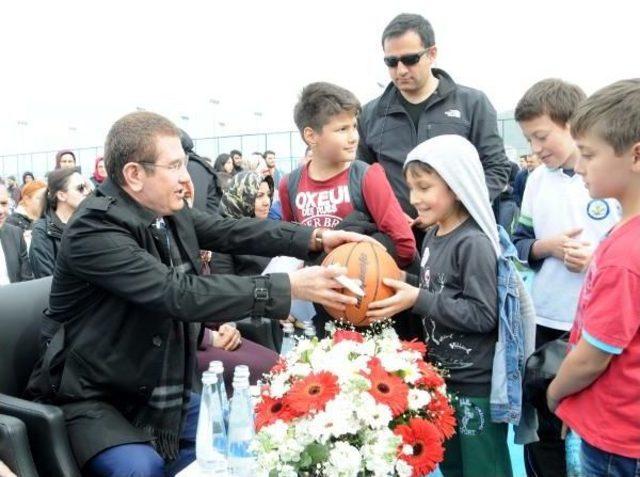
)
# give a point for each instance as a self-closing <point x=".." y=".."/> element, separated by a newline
<point x="607" y="413"/>
<point x="326" y="203"/>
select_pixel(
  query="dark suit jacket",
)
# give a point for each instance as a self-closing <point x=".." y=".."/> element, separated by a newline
<point x="15" y="253"/>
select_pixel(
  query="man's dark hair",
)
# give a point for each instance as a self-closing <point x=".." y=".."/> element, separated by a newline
<point x="132" y="138"/>
<point x="57" y="180"/>
<point x="613" y="114"/>
<point x="319" y="102"/>
<point x="410" y="21"/>
<point x="554" y="97"/>
<point x="235" y="152"/>
<point x="267" y="152"/>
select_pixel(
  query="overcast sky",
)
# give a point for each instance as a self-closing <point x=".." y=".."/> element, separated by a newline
<point x="70" y="69"/>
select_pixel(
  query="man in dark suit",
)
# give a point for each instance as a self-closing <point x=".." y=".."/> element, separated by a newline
<point x="127" y="299"/>
<point x="14" y="261"/>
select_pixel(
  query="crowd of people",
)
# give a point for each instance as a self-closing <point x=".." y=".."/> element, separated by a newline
<point x="158" y="258"/>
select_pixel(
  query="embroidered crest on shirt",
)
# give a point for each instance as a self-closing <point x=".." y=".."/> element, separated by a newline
<point x="598" y="209"/>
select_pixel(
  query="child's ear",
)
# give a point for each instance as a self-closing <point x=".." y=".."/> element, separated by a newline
<point x="635" y="157"/>
<point x="310" y="136"/>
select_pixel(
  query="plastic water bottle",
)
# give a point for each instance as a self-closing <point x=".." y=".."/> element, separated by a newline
<point x="241" y="430"/>
<point x="211" y="436"/>
<point x="288" y="341"/>
<point x="572" y="443"/>
<point x="217" y="367"/>
<point x="309" y="330"/>
<point x="241" y="373"/>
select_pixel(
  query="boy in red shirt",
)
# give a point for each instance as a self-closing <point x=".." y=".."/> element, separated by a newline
<point x="327" y="190"/>
<point x="598" y="384"/>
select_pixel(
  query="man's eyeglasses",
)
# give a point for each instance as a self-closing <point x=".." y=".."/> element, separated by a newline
<point x="174" y="166"/>
<point x="407" y="60"/>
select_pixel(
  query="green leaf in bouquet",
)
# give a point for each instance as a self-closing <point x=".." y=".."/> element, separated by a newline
<point x="317" y="452"/>
<point x="273" y="473"/>
<point x="305" y="460"/>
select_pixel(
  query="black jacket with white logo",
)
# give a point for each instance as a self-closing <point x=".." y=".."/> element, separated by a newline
<point x="387" y="133"/>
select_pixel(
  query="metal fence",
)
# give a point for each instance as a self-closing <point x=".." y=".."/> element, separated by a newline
<point x="287" y="145"/>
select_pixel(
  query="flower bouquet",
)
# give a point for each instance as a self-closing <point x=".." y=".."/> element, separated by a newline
<point x="353" y="405"/>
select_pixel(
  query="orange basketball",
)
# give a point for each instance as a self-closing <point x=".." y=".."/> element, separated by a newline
<point x="370" y="264"/>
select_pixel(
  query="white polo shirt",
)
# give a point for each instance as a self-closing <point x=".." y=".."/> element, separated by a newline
<point x="555" y="202"/>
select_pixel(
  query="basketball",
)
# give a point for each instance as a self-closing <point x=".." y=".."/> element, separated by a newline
<point x="368" y="263"/>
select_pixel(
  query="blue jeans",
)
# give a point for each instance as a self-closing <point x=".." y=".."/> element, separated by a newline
<point x="598" y="463"/>
<point x="141" y="460"/>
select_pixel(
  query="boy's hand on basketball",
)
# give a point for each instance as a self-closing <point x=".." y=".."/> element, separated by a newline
<point x="334" y="238"/>
<point x="577" y="255"/>
<point x="405" y="297"/>
<point x="318" y="284"/>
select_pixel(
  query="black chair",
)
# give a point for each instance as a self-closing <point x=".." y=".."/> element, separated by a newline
<point x="21" y="307"/>
<point x="14" y="447"/>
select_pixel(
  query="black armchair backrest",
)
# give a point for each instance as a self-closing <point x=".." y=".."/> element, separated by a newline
<point x="21" y="307"/>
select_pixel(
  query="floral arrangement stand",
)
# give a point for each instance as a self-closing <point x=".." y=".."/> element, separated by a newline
<point x="353" y="404"/>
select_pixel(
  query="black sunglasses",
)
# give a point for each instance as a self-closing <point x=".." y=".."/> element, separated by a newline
<point x="407" y="60"/>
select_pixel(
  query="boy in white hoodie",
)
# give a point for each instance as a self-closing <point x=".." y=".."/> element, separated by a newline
<point x="456" y="295"/>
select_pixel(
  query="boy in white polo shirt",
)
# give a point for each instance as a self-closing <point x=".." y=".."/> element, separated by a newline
<point x="558" y="230"/>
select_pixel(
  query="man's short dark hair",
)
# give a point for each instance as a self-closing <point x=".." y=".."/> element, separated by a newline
<point x="132" y="138"/>
<point x="613" y="114"/>
<point x="235" y="152"/>
<point x="410" y="21"/>
<point x="319" y="102"/>
<point x="267" y="152"/>
<point x="554" y="97"/>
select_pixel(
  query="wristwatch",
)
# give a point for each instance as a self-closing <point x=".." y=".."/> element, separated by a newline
<point x="317" y="240"/>
<point x="261" y="296"/>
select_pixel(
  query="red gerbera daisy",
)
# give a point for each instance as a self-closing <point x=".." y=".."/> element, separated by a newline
<point x="442" y="415"/>
<point x="414" y="345"/>
<point x="427" y="450"/>
<point x="430" y="376"/>
<point x="342" y="335"/>
<point x="313" y="392"/>
<point x="270" y="410"/>
<point x="387" y="388"/>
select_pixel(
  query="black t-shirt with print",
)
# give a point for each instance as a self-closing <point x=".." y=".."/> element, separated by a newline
<point x="458" y="303"/>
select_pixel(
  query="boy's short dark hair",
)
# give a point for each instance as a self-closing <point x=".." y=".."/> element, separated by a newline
<point x="612" y="113"/>
<point x="319" y="102"/>
<point x="416" y="167"/>
<point x="410" y="21"/>
<point x="267" y="152"/>
<point x="554" y="97"/>
<point x="235" y="152"/>
<point x="132" y="138"/>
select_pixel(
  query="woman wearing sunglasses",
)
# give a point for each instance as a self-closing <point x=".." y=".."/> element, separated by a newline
<point x="66" y="188"/>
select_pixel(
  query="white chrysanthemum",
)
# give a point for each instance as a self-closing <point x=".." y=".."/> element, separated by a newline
<point x="279" y="385"/>
<point x="393" y="361"/>
<point x="344" y="461"/>
<point x="300" y="369"/>
<point x="276" y="432"/>
<point x="375" y="416"/>
<point x="418" y="399"/>
<point x="287" y="471"/>
<point x="403" y="469"/>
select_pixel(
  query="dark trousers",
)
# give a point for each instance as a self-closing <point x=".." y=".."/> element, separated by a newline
<point x="547" y="457"/>
<point x="141" y="460"/>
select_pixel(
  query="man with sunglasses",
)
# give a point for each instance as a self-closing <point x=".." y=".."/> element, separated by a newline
<point x="127" y="301"/>
<point x="422" y="102"/>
